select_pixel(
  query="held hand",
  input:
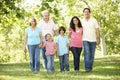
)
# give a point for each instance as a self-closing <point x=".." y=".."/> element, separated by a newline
<point x="41" y="45"/>
<point x="25" y="50"/>
<point x="56" y="52"/>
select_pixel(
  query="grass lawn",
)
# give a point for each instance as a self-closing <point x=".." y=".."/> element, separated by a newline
<point x="105" y="68"/>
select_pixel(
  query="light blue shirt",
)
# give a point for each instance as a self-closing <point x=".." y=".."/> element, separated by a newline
<point x="33" y="36"/>
<point x="62" y="42"/>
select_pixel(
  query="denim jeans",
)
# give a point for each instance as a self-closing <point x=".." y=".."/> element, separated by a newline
<point x="50" y="63"/>
<point x="34" y="53"/>
<point x="44" y="59"/>
<point x="89" y="51"/>
<point x="64" y="62"/>
<point x="76" y="56"/>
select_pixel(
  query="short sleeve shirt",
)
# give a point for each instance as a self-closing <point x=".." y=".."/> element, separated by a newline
<point x="89" y="29"/>
<point x="33" y="36"/>
<point x="47" y="27"/>
<point x="76" y="38"/>
<point x="50" y="48"/>
<point x="62" y="42"/>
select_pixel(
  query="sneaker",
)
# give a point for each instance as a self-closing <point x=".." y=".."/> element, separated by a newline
<point x="88" y="70"/>
<point x="35" y="72"/>
<point x="76" y="70"/>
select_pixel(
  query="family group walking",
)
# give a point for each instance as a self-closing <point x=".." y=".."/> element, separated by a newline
<point x="82" y="34"/>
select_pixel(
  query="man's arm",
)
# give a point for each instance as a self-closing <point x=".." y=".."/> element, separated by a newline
<point x="98" y="35"/>
<point x="41" y="38"/>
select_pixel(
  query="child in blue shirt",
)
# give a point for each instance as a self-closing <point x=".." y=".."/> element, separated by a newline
<point x="63" y="47"/>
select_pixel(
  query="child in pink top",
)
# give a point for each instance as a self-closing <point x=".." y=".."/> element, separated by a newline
<point x="75" y="35"/>
<point x="50" y="51"/>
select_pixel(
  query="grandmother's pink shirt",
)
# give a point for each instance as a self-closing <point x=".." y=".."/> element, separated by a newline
<point x="76" y="38"/>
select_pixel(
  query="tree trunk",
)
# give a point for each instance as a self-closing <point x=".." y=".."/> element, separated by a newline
<point x="103" y="46"/>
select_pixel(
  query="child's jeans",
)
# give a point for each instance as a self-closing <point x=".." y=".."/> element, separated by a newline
<point x="64" y="63"/>
<point x="50" y="63"/>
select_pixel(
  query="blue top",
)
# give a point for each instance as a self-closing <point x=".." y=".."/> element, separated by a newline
<point x="33" y="36"/>
<point x="62" y="42"/>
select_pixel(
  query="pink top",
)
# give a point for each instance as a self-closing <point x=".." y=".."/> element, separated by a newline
<point x="50" y="48"/>
<point x="76" y="38"/>
<point x="47" y="27"/>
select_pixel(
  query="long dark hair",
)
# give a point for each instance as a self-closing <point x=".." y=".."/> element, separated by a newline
<point x="72" y="25"/>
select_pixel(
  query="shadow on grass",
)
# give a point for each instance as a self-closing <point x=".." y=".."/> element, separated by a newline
<point x="104" y="68"/>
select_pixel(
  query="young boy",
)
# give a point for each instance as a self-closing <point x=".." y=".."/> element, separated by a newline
<point x="63" y="47"/>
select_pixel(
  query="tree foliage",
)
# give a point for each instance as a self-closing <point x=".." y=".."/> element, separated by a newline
<point x="15" y="15"/>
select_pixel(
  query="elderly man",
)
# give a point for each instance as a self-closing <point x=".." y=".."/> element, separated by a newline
<point x="47" y="26"/>
<point x="91" y="37"/>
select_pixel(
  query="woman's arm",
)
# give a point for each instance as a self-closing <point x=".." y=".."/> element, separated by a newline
<point x="69" y="34"/>
<point x="25" y="43"/>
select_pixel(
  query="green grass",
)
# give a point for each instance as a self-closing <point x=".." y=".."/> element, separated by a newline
<point x="105" y="68"/>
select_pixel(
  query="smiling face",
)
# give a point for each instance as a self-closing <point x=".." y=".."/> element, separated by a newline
<point x="75" y="21"/>
<point x="32" y="22"/>
<point x="46" y="16"/>
<point x="86" y="13"/>
<point x="48" y="37"/>
<point x="62" y="32"/>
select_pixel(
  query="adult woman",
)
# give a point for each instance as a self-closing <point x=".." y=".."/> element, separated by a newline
<point x="33" y="41"/>
<point x="75" y="35"/>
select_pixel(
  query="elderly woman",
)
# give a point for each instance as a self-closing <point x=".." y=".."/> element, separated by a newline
<point x="33" y="41"/>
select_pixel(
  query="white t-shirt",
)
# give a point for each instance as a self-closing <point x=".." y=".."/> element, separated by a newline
<point x="47" y="27"/>
<point x="89" y="29"/>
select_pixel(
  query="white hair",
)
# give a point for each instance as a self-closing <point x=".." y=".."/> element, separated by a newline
<point x="45" y="11"/>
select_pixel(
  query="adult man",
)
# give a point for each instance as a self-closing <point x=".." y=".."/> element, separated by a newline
<point x="47" y="26"/>
<point x="91" y="37"/>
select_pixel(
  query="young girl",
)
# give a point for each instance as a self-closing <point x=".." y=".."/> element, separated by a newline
<point x="63" y="46"/>
<point x="50" y="51"/>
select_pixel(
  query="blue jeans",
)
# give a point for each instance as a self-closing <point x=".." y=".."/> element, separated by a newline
<point x="76" y="56"/>
<point x="50" y="63"/>
<point x="44" y="59"/>
<point x="64" y="62"/>
<point x="34" y="53"/>
<point x="89" y="51"/>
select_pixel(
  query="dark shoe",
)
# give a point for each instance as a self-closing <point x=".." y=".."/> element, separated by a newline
<point x="35" y="72"/>
<point x="88" y="70"/>
<point x="62" y="70"/>
<point x="76" y="70"/>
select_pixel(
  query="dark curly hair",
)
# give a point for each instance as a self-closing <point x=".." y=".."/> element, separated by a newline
<point x="72" y="25"/>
